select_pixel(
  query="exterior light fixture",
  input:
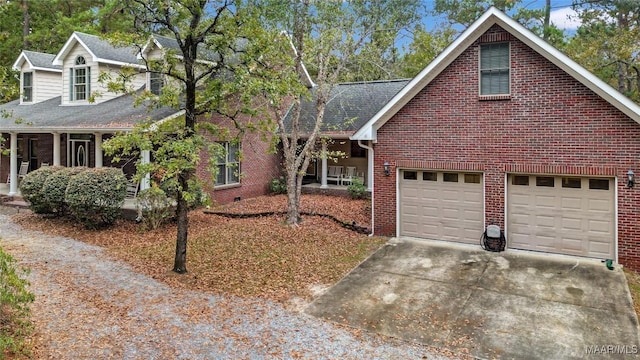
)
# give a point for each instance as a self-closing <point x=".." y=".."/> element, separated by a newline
<point x="630" y="178"/>
<point x="387" y="169"/>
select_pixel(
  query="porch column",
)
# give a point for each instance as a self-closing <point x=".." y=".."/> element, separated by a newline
<point x="13" y="172"/>
<point x="146" y="158"/>
<point x="98" y="154"/>
<point x="323" y="183"/>
<point x="369" y="166"/>
<point x="56" y="149"/>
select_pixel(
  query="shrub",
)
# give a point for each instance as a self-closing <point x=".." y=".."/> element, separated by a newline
<point x="14" y="307"/>
<point x="278" y="185"/>
<point x="95" y="196"/>
<point x="154" y="207"/>
<point x="31" y="189"/>
<point x="356" y="189"/>
<point x="55" y="187"/>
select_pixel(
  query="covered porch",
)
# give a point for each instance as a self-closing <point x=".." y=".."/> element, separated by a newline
<point x="338" y="172"/>
<point x="30" y="151"/>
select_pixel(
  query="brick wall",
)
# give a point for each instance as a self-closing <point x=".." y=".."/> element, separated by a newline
<point x="258" y="167"/>
<point x="549" y="124"/>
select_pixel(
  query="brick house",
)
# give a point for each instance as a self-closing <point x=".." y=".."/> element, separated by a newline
<point x="54" y="122"/>
<point x="502" y="128"/>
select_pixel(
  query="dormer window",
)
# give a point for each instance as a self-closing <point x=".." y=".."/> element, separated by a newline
<point x="27" y="87"/>
<point x="80" y="78"/>
<point x="156" y="82"/>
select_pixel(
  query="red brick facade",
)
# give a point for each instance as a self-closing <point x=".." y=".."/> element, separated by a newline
<point x="550" y="124"/>
<point x="258" y="166"/>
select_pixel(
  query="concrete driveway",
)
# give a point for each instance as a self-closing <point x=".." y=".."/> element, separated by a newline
<point x="506" y="305"/>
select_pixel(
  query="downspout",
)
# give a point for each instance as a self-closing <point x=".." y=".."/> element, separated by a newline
<point x="370" y="176"/>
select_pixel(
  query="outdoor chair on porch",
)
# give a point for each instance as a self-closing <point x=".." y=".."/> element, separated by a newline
<point x="132" y="189"/>
<point x="348" y="176"/>
<point x="334" y="173"/>
<point x="24" y="169"/>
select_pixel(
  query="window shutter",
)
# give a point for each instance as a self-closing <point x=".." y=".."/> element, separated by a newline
<point x="88" y="82"/>
<point x="70" y="84"/>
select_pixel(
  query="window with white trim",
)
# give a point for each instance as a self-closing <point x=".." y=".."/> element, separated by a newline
<point x="156" y="82"/>
<point x="79" y="80"/>
<point x="27" y="87"/>
<point x="494" y="69"/>
<point x="228" y="165"/>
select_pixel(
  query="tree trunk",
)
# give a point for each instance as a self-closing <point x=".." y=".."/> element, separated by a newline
<point x="25" y="24"/>
<point x="293" y="197"/>
<point x="182" y="212"/>
<point x="547" y="20"/>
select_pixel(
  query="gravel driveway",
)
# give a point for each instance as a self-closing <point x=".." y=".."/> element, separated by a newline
<point x="89" y="306"/>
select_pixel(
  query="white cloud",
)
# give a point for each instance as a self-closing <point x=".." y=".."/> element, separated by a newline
<point x="565" y="19"/>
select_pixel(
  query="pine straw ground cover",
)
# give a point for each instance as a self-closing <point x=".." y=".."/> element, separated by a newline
<point x="251" y="257"/>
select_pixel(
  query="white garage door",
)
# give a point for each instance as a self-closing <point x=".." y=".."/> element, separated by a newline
<point x="441" y="205"/>
<point x="561" y="214"/>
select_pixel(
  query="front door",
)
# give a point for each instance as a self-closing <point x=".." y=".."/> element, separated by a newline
<point x="79" y="153"/>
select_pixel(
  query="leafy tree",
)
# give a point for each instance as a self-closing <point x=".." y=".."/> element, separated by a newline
<point x="607" y="43"/>
<point x="209" y="71"/>
<point x="425" y="47"/>
<point x="465" y="12"/>
<point x="330" y="37"/>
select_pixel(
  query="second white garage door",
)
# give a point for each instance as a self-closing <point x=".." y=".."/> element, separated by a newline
<point x="562" y="214"/>
<point x="441" y="205"/>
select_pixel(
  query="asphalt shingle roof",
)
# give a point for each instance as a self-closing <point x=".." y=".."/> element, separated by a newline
<point x="350" y="105"/>
<point x="105" y="50"/>
<point x="115" y="114"/>
<point x="41" y="60"/>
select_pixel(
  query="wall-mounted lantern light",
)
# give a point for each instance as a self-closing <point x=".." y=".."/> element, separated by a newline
<point x="387" y="169"/>
<point x="630" y="179"/>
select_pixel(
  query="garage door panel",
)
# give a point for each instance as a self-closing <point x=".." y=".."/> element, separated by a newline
<point x="574" y="203"/>
<point x="448" y="210"/>
<point x="602" y="205"/>
<point x="575" y="221"/>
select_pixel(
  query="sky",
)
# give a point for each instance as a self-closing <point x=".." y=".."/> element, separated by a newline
<point x="561" y="14"/>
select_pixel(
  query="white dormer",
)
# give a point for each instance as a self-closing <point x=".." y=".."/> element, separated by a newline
<point x="83" y="57"/>
<point x="40" y="80"/>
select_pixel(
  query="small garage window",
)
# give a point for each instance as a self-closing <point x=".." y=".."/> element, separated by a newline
<point x="429" y="176"/>
<point x="599" y="184"/>
<point x="573" y="183"/>
<point x="472" y="178"/>
<point x="410" y="175"/>
<point x="520" y="180"/>
<point x="450" y="177"/>
<point x="546" y="181"/>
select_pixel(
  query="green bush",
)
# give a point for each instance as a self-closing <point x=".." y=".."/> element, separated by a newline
<point x="14" y="307"/>
<point x="356" y="189"/>
<point x="95" y="196"/>
<point x="55" y="187"/>
<point x="31" y="189"/>
<point x="278" y="185"/>
<point x="154" y="207"/>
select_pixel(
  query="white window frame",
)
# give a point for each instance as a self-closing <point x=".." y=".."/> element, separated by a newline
<point x="155" y="77"/>
<point x="79" y="91"/>
<point x="496" y="70"/>
<point x="229" y="169"/>
<point x="27" y="88"/>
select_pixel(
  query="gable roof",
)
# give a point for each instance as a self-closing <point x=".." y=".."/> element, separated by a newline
<point x="118" y="114"/>
<point x="349" y="107"/>
<point x="100" y="50"/>
<point x="37" y="61"/>
<point x="492" y="17"/>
